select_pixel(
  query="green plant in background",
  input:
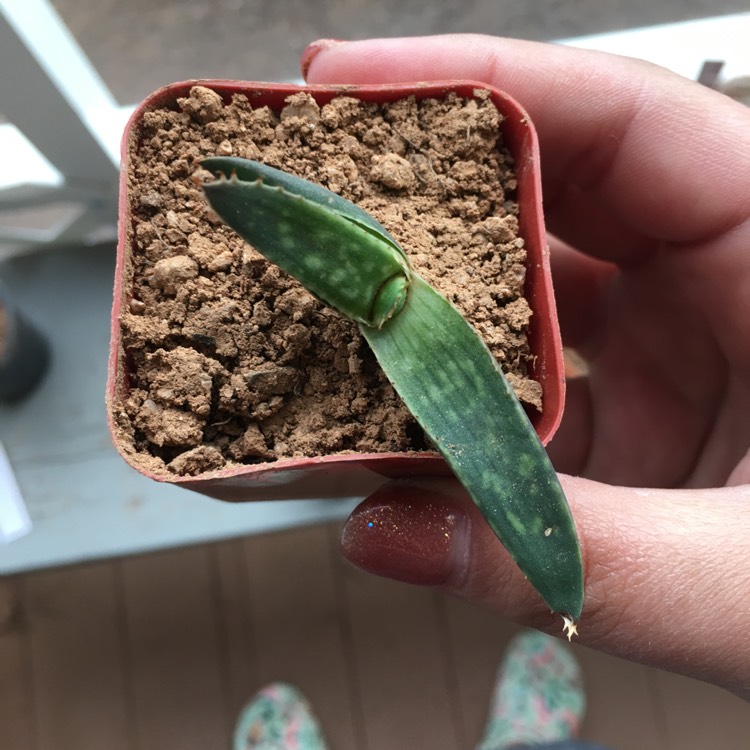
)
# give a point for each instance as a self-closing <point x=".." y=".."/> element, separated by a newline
<point x="435" y="360"/>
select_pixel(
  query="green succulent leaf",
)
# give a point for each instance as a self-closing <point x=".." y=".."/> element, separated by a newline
<point x="455" y="389"/>
<point x="246" y="170"/>
<point x="436" y="361"/>
<point x="349" y="261"/>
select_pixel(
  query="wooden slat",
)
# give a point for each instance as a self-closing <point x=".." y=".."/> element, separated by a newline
<point x="623" y="709"/>
<point x="297" y="622"/>
<point x="239" y="659"/>
<point x="173" y="645"/>
<point x="401" y="662"/>
<point x="16" y="706"/>
<point x="700" y="716"/>
<point x="478" y="640"/>
<point x="77" y="659"/>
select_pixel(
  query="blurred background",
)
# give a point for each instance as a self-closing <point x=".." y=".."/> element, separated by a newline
<point x="135" y="615"/>
<point x="140" y="45"/>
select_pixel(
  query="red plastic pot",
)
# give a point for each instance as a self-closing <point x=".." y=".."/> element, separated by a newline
<point x="353" y="474"/>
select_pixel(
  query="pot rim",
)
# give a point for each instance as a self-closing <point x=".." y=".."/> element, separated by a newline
<point x="516" y="127"/>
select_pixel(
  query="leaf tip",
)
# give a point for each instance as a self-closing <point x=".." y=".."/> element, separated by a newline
<point x="570" y="626"/>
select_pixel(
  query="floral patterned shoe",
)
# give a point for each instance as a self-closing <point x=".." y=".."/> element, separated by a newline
<point x="278" y="718"/>
<point x="538" y="696"/>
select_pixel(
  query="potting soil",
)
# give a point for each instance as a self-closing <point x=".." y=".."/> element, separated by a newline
<point x="230" y="360"/>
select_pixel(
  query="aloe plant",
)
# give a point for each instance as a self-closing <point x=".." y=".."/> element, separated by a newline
<point x="435" y="360"/>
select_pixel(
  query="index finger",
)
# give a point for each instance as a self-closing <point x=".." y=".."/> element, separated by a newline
<point x="661" y="154"/>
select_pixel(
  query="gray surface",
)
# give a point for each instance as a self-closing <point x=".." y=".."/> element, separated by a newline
<point x="84" y="501"/>
<point x="139" y="45"/>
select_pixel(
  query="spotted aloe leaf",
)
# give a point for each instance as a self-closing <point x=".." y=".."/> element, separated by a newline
<point x="436" y="361"/>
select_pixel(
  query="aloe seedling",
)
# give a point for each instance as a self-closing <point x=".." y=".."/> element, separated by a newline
<point x="435" y="360"/>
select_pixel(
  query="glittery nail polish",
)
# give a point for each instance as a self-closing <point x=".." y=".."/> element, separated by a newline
<point x="408" y="534"/>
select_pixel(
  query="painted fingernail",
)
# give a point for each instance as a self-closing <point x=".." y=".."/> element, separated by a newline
<point x="312" y="50"/>
<point x="409" y="535"/>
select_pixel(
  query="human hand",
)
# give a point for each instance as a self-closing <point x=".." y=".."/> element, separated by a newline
<point x="647" y="193"/>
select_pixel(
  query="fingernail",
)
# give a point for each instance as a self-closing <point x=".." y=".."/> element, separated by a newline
<point x="409" y="535"/>
<point x="312" y="50"/>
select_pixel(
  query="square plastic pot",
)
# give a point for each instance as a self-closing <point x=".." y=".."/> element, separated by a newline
<point x="352" y="474"/>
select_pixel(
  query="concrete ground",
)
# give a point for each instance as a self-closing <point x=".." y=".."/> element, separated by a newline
<point x="139" y="45"/>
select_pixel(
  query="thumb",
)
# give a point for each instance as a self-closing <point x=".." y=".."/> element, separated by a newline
<point x="667" y="571"/>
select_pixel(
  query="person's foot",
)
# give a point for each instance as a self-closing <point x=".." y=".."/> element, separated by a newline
<point x="278" y="718"/>
<point x="538" y="694"/>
